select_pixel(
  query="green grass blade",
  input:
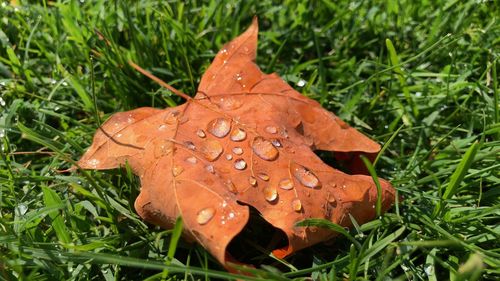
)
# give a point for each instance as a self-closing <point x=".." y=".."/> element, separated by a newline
<point x="373" y="174"/>
<point x="457" y="176"/>
<point x="52" y="200"/>
<point x="329" y="225"/>
<point x="174" y="240"/>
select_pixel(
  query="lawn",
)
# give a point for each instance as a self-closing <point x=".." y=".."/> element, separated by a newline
<point x="419" y="78"/>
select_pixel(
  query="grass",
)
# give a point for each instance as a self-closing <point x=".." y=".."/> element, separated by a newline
<point x="422" y="79"/>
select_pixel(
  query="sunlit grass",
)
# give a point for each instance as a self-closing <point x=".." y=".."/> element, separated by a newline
<point x="419" y="77"/>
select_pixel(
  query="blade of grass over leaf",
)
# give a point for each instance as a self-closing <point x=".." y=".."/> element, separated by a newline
<point x="329" y="225"/>
<point x="172" y="246"/>
<point x="373" y="174"/>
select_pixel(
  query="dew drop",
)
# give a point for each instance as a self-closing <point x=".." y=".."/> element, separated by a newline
<point x="286" y="184"/>
<point x="270" y="193"/>
<point x="301" y="83"/>
<point x="177" y="170"/>
<point x="263" y="176"/>
<point x="93" y="163"/>
<point x="229" y="103"/>
<point x="171" y="118"/>
<point x="252" y="181"/>
<point x="305" y="176"/>
<point x="276" y="143"/>
<point x="238" y="77"/>
<point x="264" y="149"/>
<point x="271" y="129"/>
<point x="164" y="147"/>
<point x="238" y="134"/>
<point x="211" y="149"/>
<point x="200" y="133"/>
<point x="237" y="150"/>
<point x="210" y="169"/>
<point x="205" y="215"/>
<point x="229" y="157"/>
<point x="192" y="160"/>
<point x="284" y="133"/>
<point x="231" y="187"/>
<point x="190" y="145"/>
<point x="219" y="127"/>
<point x="240" y="164"/>
<point x="296" y="205"/>
<point x="162" y="127"/>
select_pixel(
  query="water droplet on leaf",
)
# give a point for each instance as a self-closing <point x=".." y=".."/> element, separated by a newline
<point x="231" y="187"/>
<point x="200" y="133"/>
<point x="192" y="160"/>
<point x="210" y="169"/>
<point x="264" y="149"/>
<point x="240" y="164"/>
<point x="205" y="215"/>
<point x="229" y="103"/>
<point x="270" y="193"/>
<point x="263" y="176"/>
<point x="271" y="129"/>
<point x="177" y="170"/>
<point x="286" y="184"/>
<point x="172" y="117"/>
<point x="237" y="150"/>
<point x="219" y="127"/>
<point x="276" y="143"/>
<point x="252" y="181"/>
<point x="93" y="163"/>
<point x="229" y="157"/>
<point x="238" y="134"/>
<point x="162" y="148"/>
<point x="190" y="145"/>
<point x="211" y="149"/>
<point x="305" y="176"/>
<point x="296" y="205"/>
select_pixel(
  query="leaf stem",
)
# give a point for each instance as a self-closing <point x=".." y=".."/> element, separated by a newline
<point x="159" y="81"/>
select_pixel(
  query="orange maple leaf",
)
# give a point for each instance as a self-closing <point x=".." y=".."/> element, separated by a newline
<point x="245" y="139"/>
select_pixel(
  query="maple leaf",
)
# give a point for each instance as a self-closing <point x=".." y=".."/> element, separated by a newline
<point x="245" y="139"/>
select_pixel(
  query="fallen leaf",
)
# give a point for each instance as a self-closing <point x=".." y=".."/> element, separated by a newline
<point x="246" y="139"/>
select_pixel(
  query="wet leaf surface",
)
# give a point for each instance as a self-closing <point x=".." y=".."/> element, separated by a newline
<point x="246" y="139"/>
